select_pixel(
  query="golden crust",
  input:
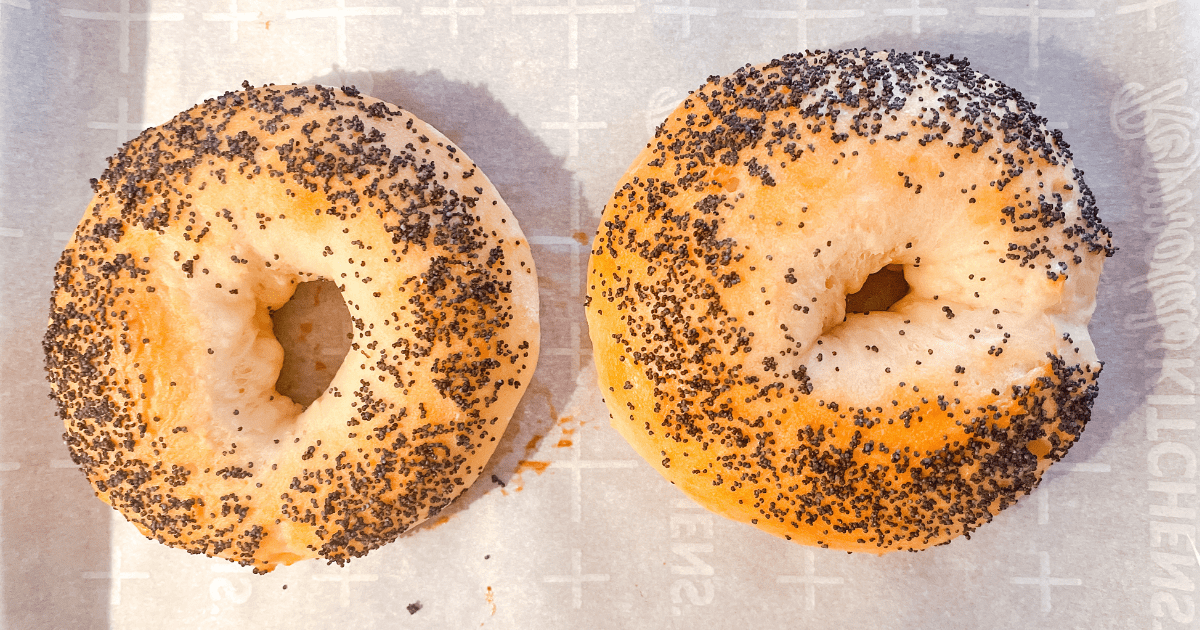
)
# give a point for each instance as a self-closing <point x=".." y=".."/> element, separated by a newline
<point x="160" y="351"/>
<point x="718" y="283"/>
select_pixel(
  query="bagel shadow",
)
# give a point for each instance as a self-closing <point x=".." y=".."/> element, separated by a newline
<point x="537" y="188"/>
<point x="55" y="535"/>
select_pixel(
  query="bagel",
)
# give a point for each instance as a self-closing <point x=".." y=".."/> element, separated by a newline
<point x="718" y="284"/>
<point x="160" y="351"/>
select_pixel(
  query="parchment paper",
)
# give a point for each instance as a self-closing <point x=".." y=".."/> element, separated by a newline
<point x="568" y="527"/>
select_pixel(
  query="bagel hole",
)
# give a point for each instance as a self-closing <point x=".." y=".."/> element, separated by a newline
<point x="314" y="328"/>
<point x="881" y="290"/>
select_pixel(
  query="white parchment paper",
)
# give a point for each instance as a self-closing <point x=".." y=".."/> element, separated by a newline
<point x="569" y="528"/>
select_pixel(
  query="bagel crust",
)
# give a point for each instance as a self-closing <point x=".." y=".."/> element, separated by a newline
<point x="163" y="363"/>
<point x="718" y="314"/>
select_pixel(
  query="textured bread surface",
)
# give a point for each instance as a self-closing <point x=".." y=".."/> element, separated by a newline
<point x="717" y="298"/>
<point x="160" y="351"/>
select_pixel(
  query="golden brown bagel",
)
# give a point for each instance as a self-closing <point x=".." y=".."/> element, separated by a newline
<point x="160" y="351"/>
<point x="718" y="283"/>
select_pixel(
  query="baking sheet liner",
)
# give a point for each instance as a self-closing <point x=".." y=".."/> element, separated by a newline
<point x="568" y="527"/>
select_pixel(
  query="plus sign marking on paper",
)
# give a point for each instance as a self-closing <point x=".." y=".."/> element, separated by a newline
<point x="686" y="10"/>
<point x="123" y="17"/>
<point x="234" y="17"/>
<point x="802" y="14"/>
<point x="345" y="577"/>
<point x="116" y="575"/>
<point x="810" y="580"/>
<point x="125" y="129"/>
<point x="577" y="578"/>
<point x="1044" y="581"/>
<point x="577" y="465"/>
<point x="573" y="125"/>
<point x="573" y="350"/>
<point x="915" y="11"/>
<point x="573" y="10"/>
<point x="1043" y="490"/>
<point x="1035" y="14"/>
<point x="339" y="12"/>
<point x="1149" y="7"/>
<point x="453" y="11"/>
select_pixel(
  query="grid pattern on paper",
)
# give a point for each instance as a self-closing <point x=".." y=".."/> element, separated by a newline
<point x="551" y="98"/>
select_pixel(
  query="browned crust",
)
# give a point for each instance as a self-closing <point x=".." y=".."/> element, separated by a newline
<point x="245" y="190"/>
<point x="724" y="394"/>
